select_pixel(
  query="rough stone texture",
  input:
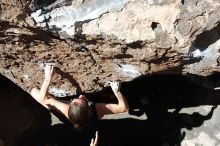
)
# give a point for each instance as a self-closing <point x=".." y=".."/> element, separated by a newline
<point x="136" y="22"/>
<point x="94" y="41"/>
<point x="115" y="41"/>
<point x="208" y="62"/>
<point x="14" y="11"/>
<point x="205" y="134"/>
<point x="85" y="65"/>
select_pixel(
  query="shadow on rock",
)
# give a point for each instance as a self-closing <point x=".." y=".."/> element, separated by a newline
<point x="161" y="128"/>
<point x="23" y="122"/>
<point x="154" y="95"/>
<point x="27" y="123"/>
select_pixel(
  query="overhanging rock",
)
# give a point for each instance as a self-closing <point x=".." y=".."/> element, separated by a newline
<point x="92" y="42"/>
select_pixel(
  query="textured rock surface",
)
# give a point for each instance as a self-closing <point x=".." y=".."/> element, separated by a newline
<point x="207" y="133"/>
<point x="94" y="41"/>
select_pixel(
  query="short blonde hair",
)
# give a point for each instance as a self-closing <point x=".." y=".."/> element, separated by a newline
<point x="78" y="114"/>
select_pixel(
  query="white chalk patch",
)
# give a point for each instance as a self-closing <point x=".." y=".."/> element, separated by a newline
<point x="26" y="76"/>
<point x="42" y="65"/>
<point x="171" y="110"/>
<point x="211" y="53"/>
<point x="37" y="16"/>
<point x="129" y="70"/>
<point x="197" y="53"/>
<point x="217" y="88"/>
<point x="58" y="92"/>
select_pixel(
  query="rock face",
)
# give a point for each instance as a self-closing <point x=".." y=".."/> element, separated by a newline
<point x="94" y="41"/>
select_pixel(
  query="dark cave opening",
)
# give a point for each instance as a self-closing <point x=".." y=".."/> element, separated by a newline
<point x="156" y="27"/>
